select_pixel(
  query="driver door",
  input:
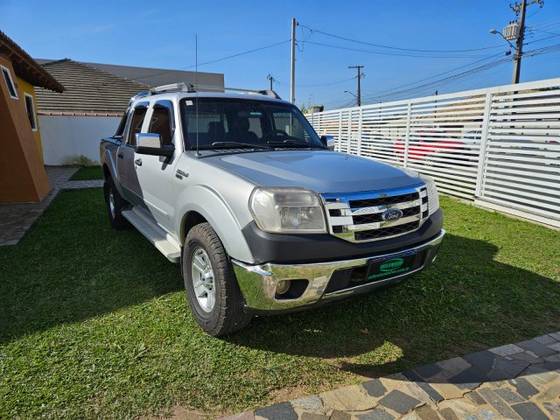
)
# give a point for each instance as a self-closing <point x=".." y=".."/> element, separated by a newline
<point x="156" y="174"/>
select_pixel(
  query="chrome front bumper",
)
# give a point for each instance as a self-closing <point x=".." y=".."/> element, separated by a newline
<point x="258" y="283"/>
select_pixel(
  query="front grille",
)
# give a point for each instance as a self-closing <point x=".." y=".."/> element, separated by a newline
<point x="363" y="217"/>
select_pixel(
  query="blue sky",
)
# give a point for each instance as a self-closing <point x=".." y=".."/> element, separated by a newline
<point x="161" y="34"/>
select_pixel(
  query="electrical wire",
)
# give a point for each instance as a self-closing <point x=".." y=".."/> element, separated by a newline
<point x="431" y="85"/>
<point x="343" y="38"/>
<point x="217" y="60"/>
<point x="437" y="75"/>
<point x="446" y="80"/>
<point x="386" y="53"/>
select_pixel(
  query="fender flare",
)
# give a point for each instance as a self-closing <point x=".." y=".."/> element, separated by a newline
<point x="210" y="205"/>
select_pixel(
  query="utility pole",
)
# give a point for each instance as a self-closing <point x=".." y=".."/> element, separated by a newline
<point x="293" y="62"/>
<point x="515" y="31"/>
<point x="519" y="41"/>
<point x="271" y="79"/>
<point x="359" y="77"/>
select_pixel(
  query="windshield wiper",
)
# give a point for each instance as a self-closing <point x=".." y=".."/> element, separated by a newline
<point x="289" y="143"/>
<point x="234" y="144"/>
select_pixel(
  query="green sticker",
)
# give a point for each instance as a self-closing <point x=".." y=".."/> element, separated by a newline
<point x="391" y="265"/>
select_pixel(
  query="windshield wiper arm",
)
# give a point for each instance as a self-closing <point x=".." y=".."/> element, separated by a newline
<point x="290" y="143"/>
<point x="227" y="144"/>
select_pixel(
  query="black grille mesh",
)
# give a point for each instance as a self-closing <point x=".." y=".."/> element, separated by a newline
<point x="384" y="232"/>
<point x="383" y="201"/>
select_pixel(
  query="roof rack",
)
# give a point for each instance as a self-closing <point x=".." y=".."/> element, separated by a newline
<point x="266" y="92"/>
<point x="183" y="87"/>
<point x="173" y="87"/>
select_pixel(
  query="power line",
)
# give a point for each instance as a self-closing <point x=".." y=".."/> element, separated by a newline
<point x="438" y="74"/>
<point x="340" y="47"/>
<point x="343" y="38"/>
<point x="217" y="60"/>
<point x="487" y="66"/>
<point x="228" y="57"/>
<point x="445" y="80"/>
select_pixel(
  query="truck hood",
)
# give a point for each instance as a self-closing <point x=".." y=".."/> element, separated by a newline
<point x="319" y="171"/>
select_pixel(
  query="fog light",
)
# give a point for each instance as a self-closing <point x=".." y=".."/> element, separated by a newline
<point x="282" y="287"/>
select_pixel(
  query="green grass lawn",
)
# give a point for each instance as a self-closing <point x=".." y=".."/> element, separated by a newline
<point x="87" y="172"/>
<point x="93" y="322"/>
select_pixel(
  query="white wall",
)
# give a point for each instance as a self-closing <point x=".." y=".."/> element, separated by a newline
<point x="66" y="138"/>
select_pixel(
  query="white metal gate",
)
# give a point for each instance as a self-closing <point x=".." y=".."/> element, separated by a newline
<point x="498" y="146"/>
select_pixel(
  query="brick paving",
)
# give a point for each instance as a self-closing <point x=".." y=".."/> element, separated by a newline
<point x="16" y="219"/>
<point x="514" y="381"/>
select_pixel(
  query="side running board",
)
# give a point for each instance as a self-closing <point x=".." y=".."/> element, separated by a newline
<point x="164" y="242"/>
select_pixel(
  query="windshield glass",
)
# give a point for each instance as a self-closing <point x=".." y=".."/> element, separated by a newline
<point x="233" y="123"/>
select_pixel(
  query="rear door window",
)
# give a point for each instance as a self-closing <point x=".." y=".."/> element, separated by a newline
<point x="136" y="123"/>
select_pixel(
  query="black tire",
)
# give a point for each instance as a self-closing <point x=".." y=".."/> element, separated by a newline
<point x="116" y="218"/>
<point x="227" y="314"/>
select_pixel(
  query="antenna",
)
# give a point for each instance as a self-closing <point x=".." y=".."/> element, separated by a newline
<point x="196" y="88"/>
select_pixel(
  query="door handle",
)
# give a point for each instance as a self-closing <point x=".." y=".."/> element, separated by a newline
<point x="120" y="155"/>
<point x="138" y="162"/>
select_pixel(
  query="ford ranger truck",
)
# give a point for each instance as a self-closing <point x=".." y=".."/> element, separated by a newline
<point x="262" y="216"/>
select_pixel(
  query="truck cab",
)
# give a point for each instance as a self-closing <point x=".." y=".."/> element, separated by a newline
<point x="260" y="213"/>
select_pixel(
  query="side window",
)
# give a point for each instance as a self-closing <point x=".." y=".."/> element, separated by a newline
<point x="30" y="108"/>
<point x="9" y="82"/>
<point x="162" y="121"/>
<point x="120" y="129"/>
<point x="136" y="123"/>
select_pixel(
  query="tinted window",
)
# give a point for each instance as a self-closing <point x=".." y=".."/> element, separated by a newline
<point x="122" y="124"/>
<point x="261" y="123"/>
<point x="136" y="123"/>
<point x="9" y="82"/>
<point x="161" y="123"/>
<point x="30" y="111"/>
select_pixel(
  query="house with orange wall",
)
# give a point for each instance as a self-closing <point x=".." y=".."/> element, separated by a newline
<point x="22" y="173"/>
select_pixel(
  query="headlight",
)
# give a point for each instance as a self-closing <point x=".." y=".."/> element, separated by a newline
<point x="287" y="210"/>
<point x="433" y="197"/>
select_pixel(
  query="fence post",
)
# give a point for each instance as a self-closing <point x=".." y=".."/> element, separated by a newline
<point x="407" y="135"/>
<point x="348" y="147"/>
<point x="360" y="133"/>
<point x="339" y="147"/>
<point x="479" y="188"/>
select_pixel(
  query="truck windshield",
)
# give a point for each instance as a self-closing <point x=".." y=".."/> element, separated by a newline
<point x="223" y="123"/>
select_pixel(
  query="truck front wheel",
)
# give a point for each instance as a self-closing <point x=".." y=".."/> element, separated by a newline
<point x="212" y="291"/>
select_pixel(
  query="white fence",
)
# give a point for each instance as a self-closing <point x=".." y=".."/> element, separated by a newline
<point x="66" y="138"/>
<point x="498" y="146"/>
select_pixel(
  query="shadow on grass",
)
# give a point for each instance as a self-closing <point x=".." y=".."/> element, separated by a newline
<point x="72" y="266"/>
<point x="465" y="302"/>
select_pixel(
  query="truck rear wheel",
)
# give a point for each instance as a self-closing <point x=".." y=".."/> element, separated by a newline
<point x="115" y="205"/>
<point x="212" y="291"/>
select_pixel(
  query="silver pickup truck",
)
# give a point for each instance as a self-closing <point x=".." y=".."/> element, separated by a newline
<point x="259" y="211"/>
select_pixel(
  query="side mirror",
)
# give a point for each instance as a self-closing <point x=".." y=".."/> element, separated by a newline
<point x="328" y="141"/>
<point x="150" y="144"/>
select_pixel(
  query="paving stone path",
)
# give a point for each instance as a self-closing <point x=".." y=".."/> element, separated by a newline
<point x="16" y="219"/>
<point x="515" y="381"/>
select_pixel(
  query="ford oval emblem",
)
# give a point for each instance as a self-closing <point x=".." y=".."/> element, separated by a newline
<point x="391" y="214"/>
